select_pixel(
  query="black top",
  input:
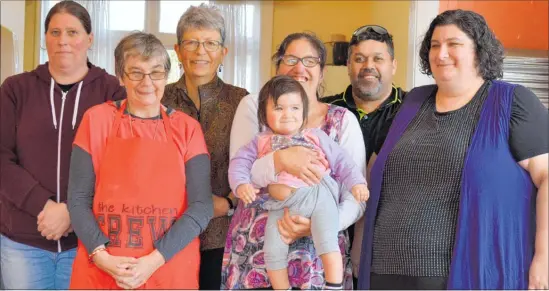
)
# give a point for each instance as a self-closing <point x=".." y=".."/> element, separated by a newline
<point x="415" y="227"/>
<point x="66" y="88"/>
<point x="375" y="125"/>
<point x="529" y="125"/>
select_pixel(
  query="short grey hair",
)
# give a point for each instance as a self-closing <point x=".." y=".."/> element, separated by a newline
<point x="144" y="45"/>
<point x="203" y="16"/>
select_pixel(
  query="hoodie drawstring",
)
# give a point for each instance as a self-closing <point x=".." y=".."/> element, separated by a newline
<point x="76" y="102"/>
<point x="52" y="104"/>
<point x="59" y="132"/>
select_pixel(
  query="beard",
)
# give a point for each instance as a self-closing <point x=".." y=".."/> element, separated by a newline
<point x="367" y="89"/>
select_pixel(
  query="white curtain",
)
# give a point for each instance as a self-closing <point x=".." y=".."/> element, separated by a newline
<point x="101" y="53"/>
<point x="247" y="64"/>
<point x="241" y="66"/>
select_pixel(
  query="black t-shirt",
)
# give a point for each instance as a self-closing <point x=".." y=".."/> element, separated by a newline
<point x="529" y="126"/>
<point x="66" y="88"/>
<point x="374" y="125"/>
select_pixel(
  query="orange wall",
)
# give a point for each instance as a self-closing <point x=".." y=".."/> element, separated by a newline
<point x="517" y="24"/>
<point x="328" y="17"/>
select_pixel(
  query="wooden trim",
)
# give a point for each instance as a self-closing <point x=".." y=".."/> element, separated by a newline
<point x="31" y="52"/>
<point x="421" y="15"/>
<point x="266" y="41"/>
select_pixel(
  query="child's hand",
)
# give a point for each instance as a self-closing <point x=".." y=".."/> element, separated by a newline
<point x="361" y="192"/>
<point x="247" y="193"/>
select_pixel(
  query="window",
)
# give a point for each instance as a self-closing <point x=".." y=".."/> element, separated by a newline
<point x="171" y="12"/>
<point x="113" y="19"/>
<point x="134" y="8"/>
<point x="125" y="16"/>
<point x="176" y="71"/>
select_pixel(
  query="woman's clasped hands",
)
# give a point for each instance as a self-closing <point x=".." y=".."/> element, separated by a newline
<point x="128" y="272"/>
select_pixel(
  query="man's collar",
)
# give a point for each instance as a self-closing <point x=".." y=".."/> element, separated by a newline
<point x="392" y="99"/>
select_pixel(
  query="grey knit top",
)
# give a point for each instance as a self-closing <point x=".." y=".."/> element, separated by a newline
<point x="415" y="227"/>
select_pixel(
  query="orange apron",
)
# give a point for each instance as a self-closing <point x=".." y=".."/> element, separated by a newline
<point x="140" y="192"/>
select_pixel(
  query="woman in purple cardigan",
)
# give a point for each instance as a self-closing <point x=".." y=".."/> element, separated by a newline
<point x="459" y="189"/>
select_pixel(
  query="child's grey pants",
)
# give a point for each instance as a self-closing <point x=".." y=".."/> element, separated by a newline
<point x="317" y="202"/>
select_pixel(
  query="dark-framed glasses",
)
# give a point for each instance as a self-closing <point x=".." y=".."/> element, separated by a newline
<point x="210" y="45"/>
<point x="308" y="62"/>
<point x="138" y="76"/>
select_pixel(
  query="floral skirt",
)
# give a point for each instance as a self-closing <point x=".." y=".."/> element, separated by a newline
<point x="244" y="265"/>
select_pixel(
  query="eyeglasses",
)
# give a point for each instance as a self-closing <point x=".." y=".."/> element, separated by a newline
<point x="209" y="45"/>
<point x="138" y="76"/>
<point x="375" y="28"/>
<point x="308" y="62"/>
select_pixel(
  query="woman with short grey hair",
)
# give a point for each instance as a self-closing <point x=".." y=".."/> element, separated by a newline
<point x="200" y="17"/>
<point x="204" y="96"/>
<point x="139" y="191"/>
<point x="143" y="45"/>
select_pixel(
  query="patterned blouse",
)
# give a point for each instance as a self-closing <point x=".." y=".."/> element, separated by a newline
<point x="218" y="102"/>
<point x="243" y="261"/>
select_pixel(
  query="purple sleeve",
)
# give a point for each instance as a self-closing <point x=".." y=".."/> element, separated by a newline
<point x="241" y="164"/>
<point x="16" y="184"/>
<point x="344" y="169"/>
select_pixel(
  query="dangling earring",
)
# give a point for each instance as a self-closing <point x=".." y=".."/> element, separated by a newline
<point x="220" y="68"/>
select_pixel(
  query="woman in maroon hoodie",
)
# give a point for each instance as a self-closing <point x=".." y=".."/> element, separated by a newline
<point x="40" y="112"/>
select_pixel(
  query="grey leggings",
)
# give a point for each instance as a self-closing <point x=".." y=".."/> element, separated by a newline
<point x="317" y="202"/>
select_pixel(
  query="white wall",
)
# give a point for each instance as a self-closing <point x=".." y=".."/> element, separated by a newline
<point x="13" y="17"/>
<point x="421" y="15"/>
<point x="336" y="80"/>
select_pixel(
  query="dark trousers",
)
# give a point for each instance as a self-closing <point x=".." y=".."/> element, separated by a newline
<point x="210" y="269"/>
<point x="401" y="282"/>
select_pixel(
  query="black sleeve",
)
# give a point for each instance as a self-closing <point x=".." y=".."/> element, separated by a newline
<point x="529" y="126"/>
<point x="199" y="211"/>
<point x="80" y="200"/>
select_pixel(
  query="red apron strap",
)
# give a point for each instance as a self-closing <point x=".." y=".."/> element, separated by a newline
<point x="118" y="121"/>
<point x="167" y="124"/>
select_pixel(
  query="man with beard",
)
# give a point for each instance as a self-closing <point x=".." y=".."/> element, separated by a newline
<point x="373" y="99"/>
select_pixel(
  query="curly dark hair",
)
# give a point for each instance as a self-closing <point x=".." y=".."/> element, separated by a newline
<point x="489" y="50"/>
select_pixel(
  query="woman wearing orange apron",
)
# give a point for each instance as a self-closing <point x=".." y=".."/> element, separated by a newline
<point x="139" y="191"/>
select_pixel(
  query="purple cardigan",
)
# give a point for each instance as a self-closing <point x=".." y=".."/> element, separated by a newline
<point x="495" y="230"/>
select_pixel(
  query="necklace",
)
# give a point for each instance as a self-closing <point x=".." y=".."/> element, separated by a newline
<point x="131" y="127"/>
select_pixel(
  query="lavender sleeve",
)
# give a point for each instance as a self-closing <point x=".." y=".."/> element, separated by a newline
<point x="241" y="164"/>
<point x="344" y="169"/>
